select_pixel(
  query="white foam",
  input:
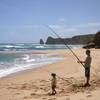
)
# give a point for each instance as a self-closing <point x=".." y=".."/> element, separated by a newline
<point x="39" y="47"/>
<point x="26" y="57"/>
<point x="9" y="71"/>
<point x="9" y="46"/>
<point x="30" y="62"/>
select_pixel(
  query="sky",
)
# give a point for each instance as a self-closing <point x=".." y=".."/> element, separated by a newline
<point x="24" y="21"/>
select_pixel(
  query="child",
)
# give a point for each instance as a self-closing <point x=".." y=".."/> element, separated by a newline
<point x="87" y="64"/>
<point x="53" y="83"/>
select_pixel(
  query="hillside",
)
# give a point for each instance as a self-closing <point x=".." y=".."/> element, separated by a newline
<point x="79" y="39"/>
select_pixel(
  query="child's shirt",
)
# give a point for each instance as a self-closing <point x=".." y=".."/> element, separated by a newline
<point x="53" y="81"/>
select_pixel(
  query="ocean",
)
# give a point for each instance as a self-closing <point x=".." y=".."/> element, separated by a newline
<point x="19" y="57"/>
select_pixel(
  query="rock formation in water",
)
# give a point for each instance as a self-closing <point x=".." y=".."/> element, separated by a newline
<point x="41" y="41"/>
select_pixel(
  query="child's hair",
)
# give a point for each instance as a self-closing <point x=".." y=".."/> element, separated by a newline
<point x="88" y="51"/>
<point x="53" y="74"/>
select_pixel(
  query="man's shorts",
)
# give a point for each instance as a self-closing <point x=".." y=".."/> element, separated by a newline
<point x="87" y="72"/>
<point x="53" y="87"/>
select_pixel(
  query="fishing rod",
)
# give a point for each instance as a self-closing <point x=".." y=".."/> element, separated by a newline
<point x="60" y="77"/>
<point x="65" y="44"/>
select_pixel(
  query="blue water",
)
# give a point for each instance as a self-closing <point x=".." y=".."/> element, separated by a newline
<point x="30" y="46"/>
<point x="14" y="57"/>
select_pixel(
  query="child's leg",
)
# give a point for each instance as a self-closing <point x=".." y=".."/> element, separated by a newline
<point x="53" y="90"/>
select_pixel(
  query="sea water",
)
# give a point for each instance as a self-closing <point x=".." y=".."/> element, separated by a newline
<point x="14" y="57"/>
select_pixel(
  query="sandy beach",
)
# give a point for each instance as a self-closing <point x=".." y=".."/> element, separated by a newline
<point x="36" y="84"/>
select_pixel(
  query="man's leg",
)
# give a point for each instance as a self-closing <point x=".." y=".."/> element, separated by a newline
<point x="55" y="91"/>
<point x="87" y="75"/>
<point x="88" y="78"/>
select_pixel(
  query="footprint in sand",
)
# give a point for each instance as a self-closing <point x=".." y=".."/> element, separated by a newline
<point x="42" y="85"/>
<point x="67" y="98"/>
<point x="12" y="87"/>
<point x="17" y="93"/>
<point x="32" y="94"/>
<point x="26" y="97"/>
<point x="23" y="87"/>
<point x="89" y="95"/>
<point x="44" y="98"/>
<point x="53" y="99"/>
<point x="88" y="92"/>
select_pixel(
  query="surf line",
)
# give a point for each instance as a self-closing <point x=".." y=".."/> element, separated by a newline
<point x="67" y="47"/>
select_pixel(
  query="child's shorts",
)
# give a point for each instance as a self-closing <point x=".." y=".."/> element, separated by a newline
<point x="53" y="87"/>
<point x="87" y="72"/>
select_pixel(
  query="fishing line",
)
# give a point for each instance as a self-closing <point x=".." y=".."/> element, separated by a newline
<point x="60" y="77"/>
<point x="62" y="40"/>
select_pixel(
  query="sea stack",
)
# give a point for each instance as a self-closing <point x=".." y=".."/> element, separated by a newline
<point x="41" y="41"/>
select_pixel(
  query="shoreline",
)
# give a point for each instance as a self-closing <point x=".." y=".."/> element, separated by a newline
<point x="30" y="64"/>
<point x="35" y="84"/>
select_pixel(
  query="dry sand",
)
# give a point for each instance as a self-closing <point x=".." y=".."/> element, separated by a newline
<point x="35" y="84"/>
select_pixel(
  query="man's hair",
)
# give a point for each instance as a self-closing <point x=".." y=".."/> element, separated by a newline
<point x="88" y="51"/>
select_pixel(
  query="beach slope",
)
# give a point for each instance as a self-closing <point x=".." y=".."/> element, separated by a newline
<point x="36" y="84"/>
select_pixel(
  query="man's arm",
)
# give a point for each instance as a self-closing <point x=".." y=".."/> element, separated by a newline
<point x="84" y="61"/>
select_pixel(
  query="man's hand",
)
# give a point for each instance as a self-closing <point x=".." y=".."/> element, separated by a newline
<point x="79" y="61"/>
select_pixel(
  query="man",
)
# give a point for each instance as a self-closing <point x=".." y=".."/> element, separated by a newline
<point x="87" y="64"/>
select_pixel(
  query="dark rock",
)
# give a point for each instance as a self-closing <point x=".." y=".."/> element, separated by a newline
<point x="95" y="43"/>
<point x="97" y="39"/>
<point x="82" y="39"/>
<point x="97" y="47"/>
<point x="89" y="45"/>
<point x="41" y="41"/>
<point x="50" y="40"/>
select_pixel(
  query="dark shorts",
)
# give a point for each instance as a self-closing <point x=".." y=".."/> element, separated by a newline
<point x="87" y="72"/>
<point x="53" y="87"/>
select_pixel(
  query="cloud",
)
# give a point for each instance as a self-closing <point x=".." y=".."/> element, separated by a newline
<point x="68" y="30"/>
<point x="32" y="26"/>
<point x="22" y="26"/>
<point x="62" y="20"/>
<point x="75" y="28"/>
<point x="79" y="29"/>
<point x="56" y="26"/>
<point x="88" y="25"/>
<point x="63" y="29"/>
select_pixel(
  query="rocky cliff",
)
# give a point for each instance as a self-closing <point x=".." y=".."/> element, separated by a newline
<point x="95" y="43"/>
<point x="97" y="39"/>
<point x="80" y="39"/>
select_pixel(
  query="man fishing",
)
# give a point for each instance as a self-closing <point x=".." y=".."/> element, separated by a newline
<point x="87" y="64"/>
